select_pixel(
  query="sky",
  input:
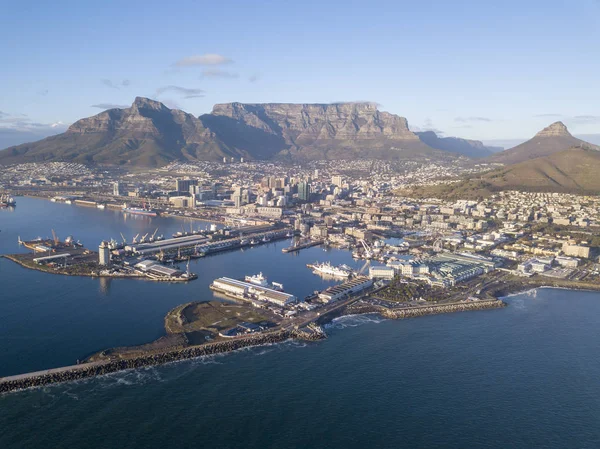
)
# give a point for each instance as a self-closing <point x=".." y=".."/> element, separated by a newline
<point x="493" y="71"/>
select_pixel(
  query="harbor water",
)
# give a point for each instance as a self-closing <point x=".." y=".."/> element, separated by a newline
<point x="522" y="376"/>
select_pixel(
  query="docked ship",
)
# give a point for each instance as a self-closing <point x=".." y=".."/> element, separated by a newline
<point x="260" y="280"/>
<point x="7" y="201"/>
<point x="327" y="269"/>
<point x="140" y="211"/>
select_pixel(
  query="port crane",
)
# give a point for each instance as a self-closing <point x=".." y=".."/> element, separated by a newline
<point x="364" y="267"/>
<point x="135" y="238"/>
<point x="367" y="248"/>
<point x="143" y="239"/>
<point x="124" y="240"/>
<point x="153" y="235"/>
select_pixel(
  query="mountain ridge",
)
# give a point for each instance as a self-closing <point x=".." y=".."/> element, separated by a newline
<point x="467" y="147"/>
<point x="149" y="134"/>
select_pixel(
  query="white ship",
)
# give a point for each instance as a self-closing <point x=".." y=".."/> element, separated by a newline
<point x="260" y="280"/>
<point x="328" y="269"/>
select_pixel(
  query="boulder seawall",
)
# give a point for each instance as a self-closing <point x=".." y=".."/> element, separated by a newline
<point x="86" y="370"/>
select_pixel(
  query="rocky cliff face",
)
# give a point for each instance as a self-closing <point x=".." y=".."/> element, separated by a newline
<point x="554" y="130"/>
<point x="313" y="122"/>
<point x="326" y="131"/>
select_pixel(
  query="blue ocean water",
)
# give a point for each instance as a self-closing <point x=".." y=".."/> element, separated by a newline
<point x="525" y="376"/>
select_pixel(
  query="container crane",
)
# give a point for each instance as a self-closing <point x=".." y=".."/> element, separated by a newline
<point x="54" y="237"/>
<point x="367" y="248"/>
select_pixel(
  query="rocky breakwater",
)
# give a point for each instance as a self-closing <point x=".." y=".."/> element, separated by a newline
<point x="433" y="309"/>
<point x="86" y="370"/>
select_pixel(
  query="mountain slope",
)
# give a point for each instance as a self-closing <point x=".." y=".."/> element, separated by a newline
<point x="574" y="170"/>
<point x="148" y="134"/>
<point x="552" y="139"/>
<point x="466" y="147"/>
<point x="318" y="131"/>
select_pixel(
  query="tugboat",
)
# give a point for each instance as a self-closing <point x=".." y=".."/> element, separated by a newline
<point x="7" y="201"/>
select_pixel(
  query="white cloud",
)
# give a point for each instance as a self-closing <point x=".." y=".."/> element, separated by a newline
<point x="205" y="59"/>
<point x="185" y="92"/>
<point x="109" y="106"/>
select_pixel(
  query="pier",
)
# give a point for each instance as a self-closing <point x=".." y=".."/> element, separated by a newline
<point x="309" y="244"/>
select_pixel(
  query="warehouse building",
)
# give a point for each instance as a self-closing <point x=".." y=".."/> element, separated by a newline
<point x="349" y="288"/>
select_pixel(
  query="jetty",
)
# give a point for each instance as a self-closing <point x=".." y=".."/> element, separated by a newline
<point x="99" y="368"/>
<point x="304" y="245"/>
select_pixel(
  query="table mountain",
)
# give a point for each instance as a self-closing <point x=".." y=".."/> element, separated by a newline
<point x="317" y="131"/>
<point x="551" y="139"/>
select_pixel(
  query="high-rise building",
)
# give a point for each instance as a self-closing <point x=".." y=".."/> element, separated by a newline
<point x="117" y="189"/>
<point x="304" y="191"/>
<point x="183" y="185"/>
<point x="337" y="181"/>
<point x="103" y="254"/>
<point x="316" y="173"/>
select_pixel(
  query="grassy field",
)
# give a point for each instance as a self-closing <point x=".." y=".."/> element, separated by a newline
<point x="212" y="316"/>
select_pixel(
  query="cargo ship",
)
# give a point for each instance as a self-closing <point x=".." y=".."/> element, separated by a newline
<point x="330" y="270"/>
<point x="140" y="211"/>
<point x="7" y="201"/>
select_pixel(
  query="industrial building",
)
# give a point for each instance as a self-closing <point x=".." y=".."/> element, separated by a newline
<point x="382" y="273"/>
<point x="246" y="290"/>
<point x="155" y="270"/>
<point x="349" y="288"/>
<point x="103" y="254"/>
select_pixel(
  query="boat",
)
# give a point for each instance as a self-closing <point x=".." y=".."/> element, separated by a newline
<point x="266" y="239"/>
<point x="260" y="280"/>
<point x="257" y="279"/>
<point x="253" y="242"/>
<point x="100" y="205"/>
<point x="140" y="211"/>
<point x="244" y="242"/>
<point x="331" y="270"/>
<point x="7" y="201"/>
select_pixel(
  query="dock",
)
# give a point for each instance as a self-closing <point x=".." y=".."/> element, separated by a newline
<point x="300" y="246"/>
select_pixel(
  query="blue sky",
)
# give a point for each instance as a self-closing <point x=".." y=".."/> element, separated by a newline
<point x="475" y="69"/>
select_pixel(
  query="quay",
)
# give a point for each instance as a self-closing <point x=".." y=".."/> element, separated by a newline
<point x="300" y="246"/>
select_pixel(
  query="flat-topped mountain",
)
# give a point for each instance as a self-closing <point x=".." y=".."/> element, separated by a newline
<point x="551" y="139"/>
<point x="466" y="147"/>
<point x="317" y="131"/>
<point x="149" y="134"/>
